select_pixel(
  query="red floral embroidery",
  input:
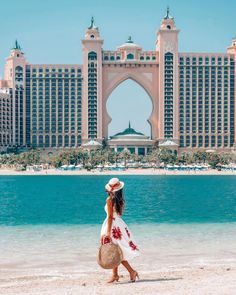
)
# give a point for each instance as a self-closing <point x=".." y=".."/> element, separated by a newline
<point x="132" y="246"/>
<point x="128" y="234"/>
<point x="116" y="233"/>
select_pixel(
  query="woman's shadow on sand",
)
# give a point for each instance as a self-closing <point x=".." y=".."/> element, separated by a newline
<point x="151" y="280"/>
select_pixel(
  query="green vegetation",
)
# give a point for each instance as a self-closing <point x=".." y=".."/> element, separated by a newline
<point x="157" y="157"/>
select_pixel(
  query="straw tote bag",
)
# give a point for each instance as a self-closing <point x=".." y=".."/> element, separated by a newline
<point x="109" y="255"/>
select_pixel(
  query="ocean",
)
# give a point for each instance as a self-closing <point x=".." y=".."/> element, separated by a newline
<point x="51" y="224"/>
<point x="38" y="200"/>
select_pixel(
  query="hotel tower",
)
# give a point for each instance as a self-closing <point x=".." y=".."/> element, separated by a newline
<point x="61" y="105"/>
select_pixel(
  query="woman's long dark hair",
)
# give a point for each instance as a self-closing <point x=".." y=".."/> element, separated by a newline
<point x="118" y="201"/>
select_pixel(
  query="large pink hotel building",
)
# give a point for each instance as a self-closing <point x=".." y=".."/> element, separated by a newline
<point x="60" y="105"/>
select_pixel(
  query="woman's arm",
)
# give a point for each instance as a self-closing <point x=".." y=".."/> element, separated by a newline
<point x="109" y="215"/>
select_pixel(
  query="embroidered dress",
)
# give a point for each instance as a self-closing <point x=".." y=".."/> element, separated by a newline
<point x="121" y="235"/>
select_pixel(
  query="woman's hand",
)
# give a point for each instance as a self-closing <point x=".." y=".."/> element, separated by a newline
<point x="105" y="239"/>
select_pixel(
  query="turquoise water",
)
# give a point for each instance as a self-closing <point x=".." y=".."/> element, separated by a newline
<point x="35" y="200"/>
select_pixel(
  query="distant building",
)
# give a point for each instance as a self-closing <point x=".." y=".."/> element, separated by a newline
<point x="5" y="119"/>
<point x="131" y="140"/>
<point x="193" y="94"/>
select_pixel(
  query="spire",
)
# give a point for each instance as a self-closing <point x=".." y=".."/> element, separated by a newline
<point x="168" y="16"/>
<point x="92" y="25"/>
<point x="16" y="46"/>
<point x="129" y="40"/>
<point x="129" y="125"/>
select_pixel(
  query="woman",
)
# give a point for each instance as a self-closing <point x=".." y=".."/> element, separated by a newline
<point x="115" y="229"/>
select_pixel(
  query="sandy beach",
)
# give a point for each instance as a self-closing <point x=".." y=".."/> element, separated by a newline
<point x="149" y="171"/>
<point x="217" y="280"/>
<point x="178" y="259"/>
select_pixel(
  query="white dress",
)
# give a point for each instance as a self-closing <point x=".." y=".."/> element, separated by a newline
<point x="121" y="235"/>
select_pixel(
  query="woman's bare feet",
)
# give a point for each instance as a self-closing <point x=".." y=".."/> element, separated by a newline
<point x="133" y="276"/>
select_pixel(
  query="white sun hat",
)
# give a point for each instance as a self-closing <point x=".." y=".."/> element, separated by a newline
<point x="114" y="185"/>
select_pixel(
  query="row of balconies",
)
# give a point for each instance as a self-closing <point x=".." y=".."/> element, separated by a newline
<point x="55" y="130"/>
<point x="53" y="75"/>
<point x="114" y="56"/>
<point x="65" y="87"/>
<point x="205" y="60"/>
<point x="54" y="70"/>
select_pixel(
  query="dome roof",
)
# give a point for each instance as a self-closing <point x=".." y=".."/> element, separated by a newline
<point x="128" y="132"/>
<point x="130" y="44"/>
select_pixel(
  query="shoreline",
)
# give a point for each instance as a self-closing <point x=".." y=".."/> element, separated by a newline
<point x="141" y="172"/>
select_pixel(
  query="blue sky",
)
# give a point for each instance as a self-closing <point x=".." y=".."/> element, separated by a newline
<point x="50" y="31"/>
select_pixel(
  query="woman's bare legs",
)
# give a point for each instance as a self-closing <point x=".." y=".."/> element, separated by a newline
<point x="115" y="271"/>
<point x="133" y="273"/>
<point x="127" y="266"/>
<point x="115" y="276"/>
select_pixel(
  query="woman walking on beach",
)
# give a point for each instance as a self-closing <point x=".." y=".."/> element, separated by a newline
<point x="116" y="230"/>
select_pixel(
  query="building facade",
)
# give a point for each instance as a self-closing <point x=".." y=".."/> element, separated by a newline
<point x="5" y="118"/>
<point x="193" y="94"/>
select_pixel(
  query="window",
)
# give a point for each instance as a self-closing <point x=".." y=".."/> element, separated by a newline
<point x="19" y="69"/>
<point x="132" y="150"/>
<point x="53" y="141"/>
<point x="92" y="55"/>
<point x="141" y="151"/>
<point x="18" y="73"/>
<point x="130" y="56"/>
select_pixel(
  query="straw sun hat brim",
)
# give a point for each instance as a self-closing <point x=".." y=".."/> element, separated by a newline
<point x="108" y="187"/>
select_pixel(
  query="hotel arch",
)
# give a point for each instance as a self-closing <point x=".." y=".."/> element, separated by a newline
<point x="51" y="105"/>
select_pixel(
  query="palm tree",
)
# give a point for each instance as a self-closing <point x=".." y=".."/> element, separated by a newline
<point x="167" y="156"/>
<point x="154" y="156"/>
<point x="84" y="157"/>
<point x="125" y="155"/>
<point x="104" y="143"/>
<point x="214" y="159"/>
<point x="200" y="156"/>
